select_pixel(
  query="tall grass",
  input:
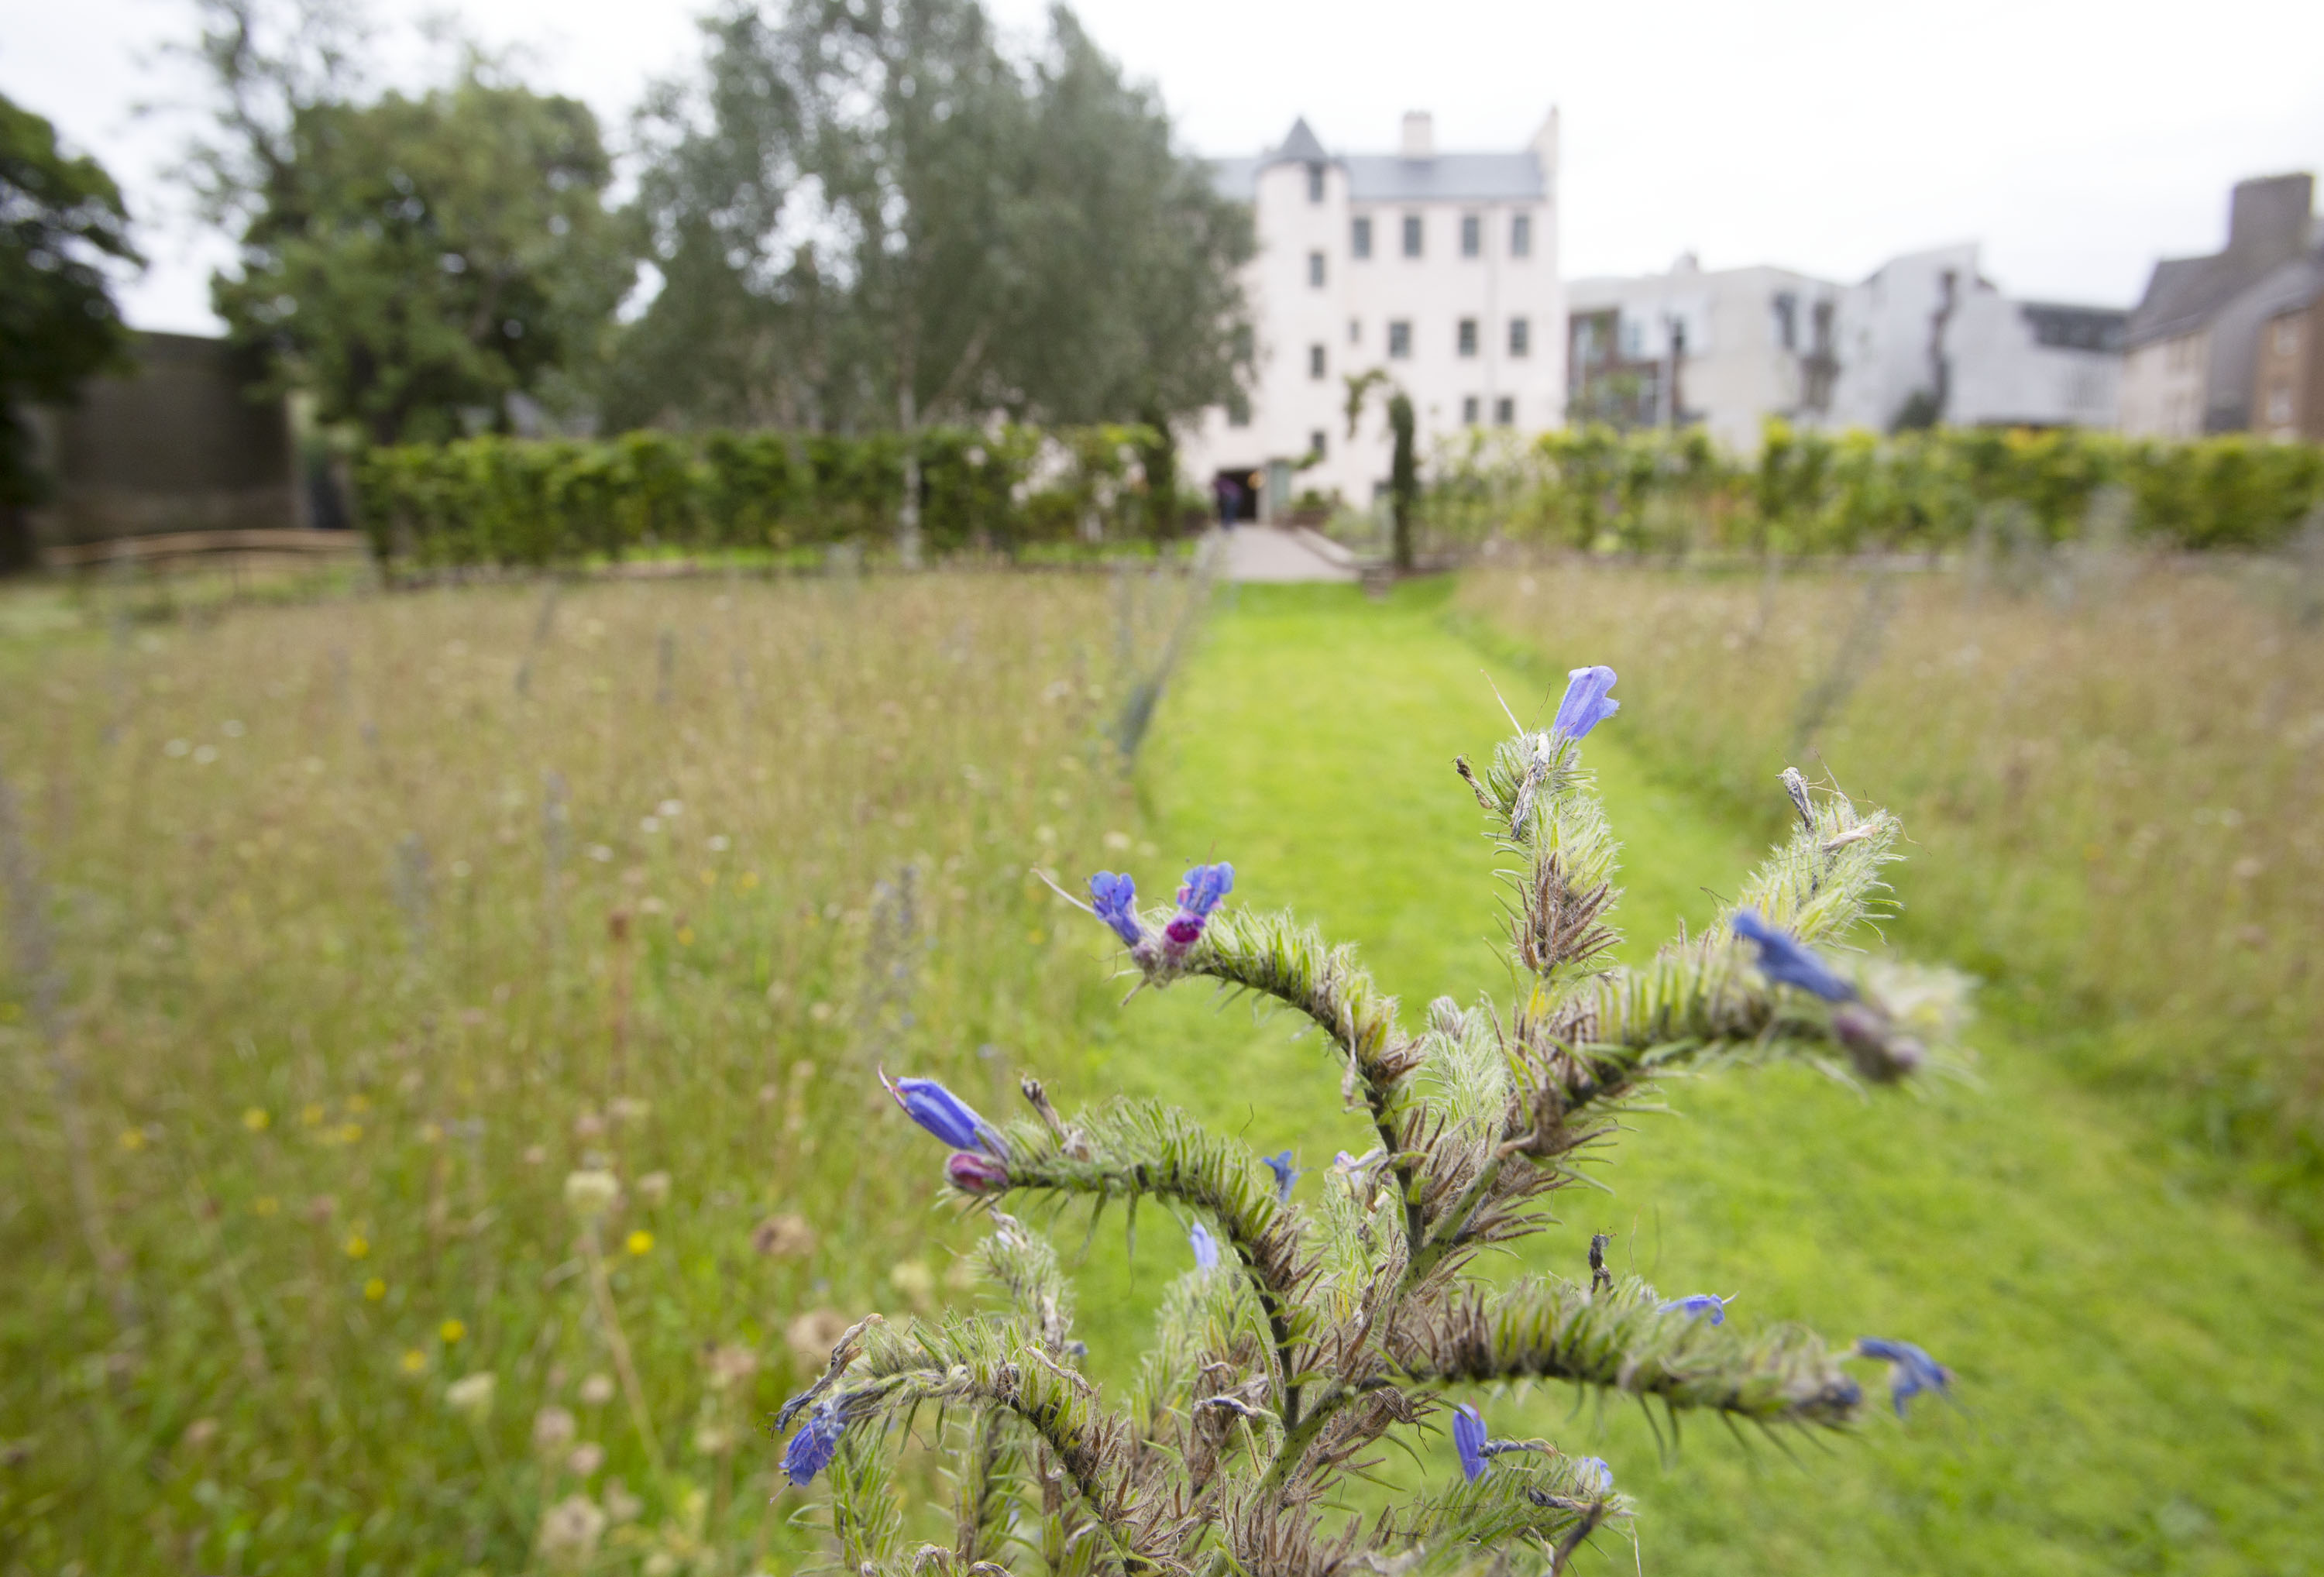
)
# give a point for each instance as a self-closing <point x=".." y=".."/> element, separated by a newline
<point x="374" y="921"/>
<point x="2114" y="765"/>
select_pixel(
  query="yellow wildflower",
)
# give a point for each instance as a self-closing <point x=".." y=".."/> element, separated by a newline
<point x="451" y="1330"/>
<point x="257" y="1119"/>
<point x="414" y="1360"/>
<point x="132" y="1140"/>
<point x="375" y="1290"/>
<point x="358" y="1245"/>
<point x="642" y="1242"/>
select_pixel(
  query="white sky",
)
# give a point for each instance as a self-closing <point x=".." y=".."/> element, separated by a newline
<point x="2077" y="142"/>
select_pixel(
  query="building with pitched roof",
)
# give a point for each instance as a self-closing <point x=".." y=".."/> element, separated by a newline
<point x="1437" y="269"/>
<point x="2194" y="340"/>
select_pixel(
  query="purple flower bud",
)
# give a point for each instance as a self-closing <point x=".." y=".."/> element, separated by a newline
<point x="1697" y="1305"/>
<point x="1115" y="898"/>
<point x="1882" y="1052"/>
<point x="1911" y="1370"/>
<point x="817" y="1442"/>
<point x="1286" y="1173"/>
<point x="1785" y="959"/>
<point x="939" y="1111"/>
<point x="974" y="1173"/>
<point x="1200" y="893"/>
<point x="1592" y="1474"/>
<point x="1586" y="703"/>
<point x="1206" y="1248"/>
<point x="1469" y="1440"/>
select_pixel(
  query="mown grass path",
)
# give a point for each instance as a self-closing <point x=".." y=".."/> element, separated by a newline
<point x="2140" y="1382"/>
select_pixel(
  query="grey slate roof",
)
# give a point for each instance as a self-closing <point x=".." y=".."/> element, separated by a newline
<point x="1388" y="177"/>
<point x="2185" y="292"/>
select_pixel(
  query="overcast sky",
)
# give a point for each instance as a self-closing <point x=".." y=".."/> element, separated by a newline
<point x="2077" y="142"/>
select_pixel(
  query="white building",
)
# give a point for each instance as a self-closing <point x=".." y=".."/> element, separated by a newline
<point x="1929" y="339"/>
<point x="1725" y="349"/>
<point x="1926" y="338"/>
<point x="1439" y="269"/>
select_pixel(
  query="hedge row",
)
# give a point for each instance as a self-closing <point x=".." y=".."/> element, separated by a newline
<point x="1810" y="491"/>
<point x="505" y="501"/>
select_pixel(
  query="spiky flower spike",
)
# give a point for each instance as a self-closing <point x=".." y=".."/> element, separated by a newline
<point x="1308" y="1331"/>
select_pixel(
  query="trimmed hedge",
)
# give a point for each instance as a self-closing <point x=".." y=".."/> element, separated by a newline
<point x="501" y="501"/>
<point x="1810" y="491"/>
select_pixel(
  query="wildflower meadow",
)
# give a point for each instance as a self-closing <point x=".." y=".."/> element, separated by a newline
<point x="452" y="1035"/>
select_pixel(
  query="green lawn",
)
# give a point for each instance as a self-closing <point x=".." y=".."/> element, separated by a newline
<point x="2138" y="1387"/>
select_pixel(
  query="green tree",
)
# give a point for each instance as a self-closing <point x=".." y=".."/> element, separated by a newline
<point x="408" y="259"/>
<point x="869" y="215"/>
<point x="61" y="220"/>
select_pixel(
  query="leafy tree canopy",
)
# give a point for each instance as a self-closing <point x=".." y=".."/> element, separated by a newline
<point x="61" y="220"/>
<point x="867" y="214"/>
<point x="408" y="259"/>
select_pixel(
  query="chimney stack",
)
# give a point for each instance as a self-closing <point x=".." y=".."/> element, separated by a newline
<point x="2267" y="218"/>
<point x="1419" y="135"/>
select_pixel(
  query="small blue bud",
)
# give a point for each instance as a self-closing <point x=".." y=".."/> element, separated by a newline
<point x="1286" y="1173"/>
<point x="1469" y="1440"/>
<point x="1586" y="702"/>
<point x="939" y="1111"/>
<point x="1785" y="959"/>
<point x="1115" y="898"/>
<point x="1911" y="1370"/>
<point x="1592" y="1474"/>
<point x="1698" y="1304"/>
<point x="1198" y="895"/>
<point x="1206" y="1248"/>
<point x="817" y="1442"/>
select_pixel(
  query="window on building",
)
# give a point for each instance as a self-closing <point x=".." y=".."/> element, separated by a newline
<point x="2279" y="407"/>
<point x="1468" y="410"/>
<point x="1315" y="443"/>
<point x="1505" y="411"/>
<point x="1360" y="236"/>
<point x="1787" y="320"/>
<point x="1315" y="270"/>
<point x="1315" y="183"/>
<point x="1238" y="408"/>
<point x="1399" y="340"/>
<point x="1520" y="336"/>
<point x="1521" y="235"/>
<point x="1468" y="337"/>
<point x="1315" y="361"/>
<point x="1355" y="331"/>
<point x="1412" y="234"/>
<point x="1472" y="235"/>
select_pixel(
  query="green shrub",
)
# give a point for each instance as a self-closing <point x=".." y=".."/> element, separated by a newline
<point x="518" y="502"/>
<point x="1808" y="492"/>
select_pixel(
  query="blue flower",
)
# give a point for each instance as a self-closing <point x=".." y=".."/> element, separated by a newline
<point x="817" y="1442"/>
<point x="939" y="1111"/>
<point x="1206" y="1248"/>
<point x="1592" y="1474"/>
<point x="1116" y="900"/>
<point x="1285" y="1174"/>
<point x="1204" y="886"/>
<point x="1911" y="1370"/>
<point x="1699" y="1305"/>
<point x="1586" y="703"/>
<point x="1786" y="959"/>
<point x="1469" y="1440"/>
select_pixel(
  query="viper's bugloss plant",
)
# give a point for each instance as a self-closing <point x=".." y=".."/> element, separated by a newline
<point x="1310" y="1332"/>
